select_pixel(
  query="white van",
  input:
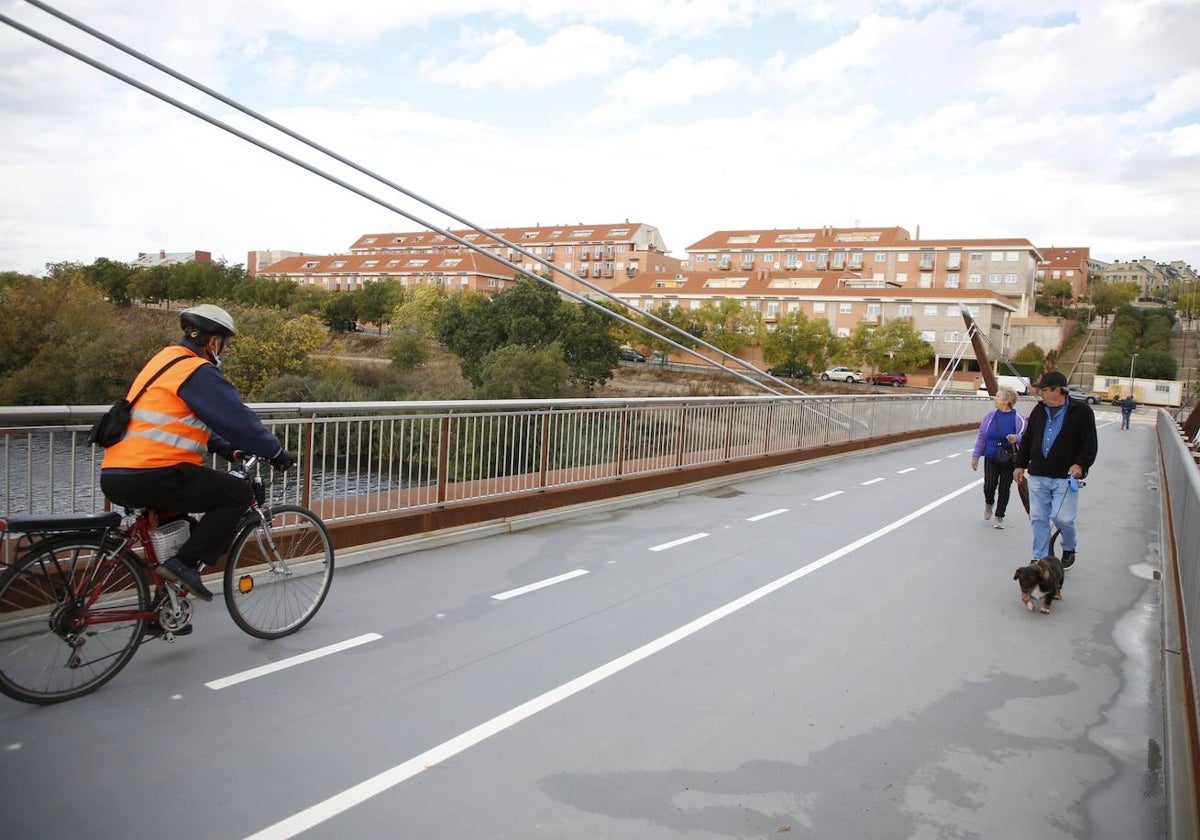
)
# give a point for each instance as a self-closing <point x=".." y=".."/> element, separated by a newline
<point x="1018" y="383"/>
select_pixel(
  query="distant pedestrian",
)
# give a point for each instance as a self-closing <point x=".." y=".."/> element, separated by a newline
<point x="1058" y="449"/>
<point x="1127" y="407"/>
<point x="999" y="435"/>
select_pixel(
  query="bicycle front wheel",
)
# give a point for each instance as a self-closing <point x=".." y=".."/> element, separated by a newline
<point x="278" y="574"/>
<point x="71" y="617"/>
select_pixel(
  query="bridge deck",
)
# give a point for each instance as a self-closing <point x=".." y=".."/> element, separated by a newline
<point x="834" y="651"/>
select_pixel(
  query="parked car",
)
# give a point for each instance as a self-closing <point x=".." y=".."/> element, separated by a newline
<point x="841" y="373"/>
<point x="791" y="371"/>
<point x="628" y="354"/>
<point x="1089" y="397"/>
<point x="894" y="378"/>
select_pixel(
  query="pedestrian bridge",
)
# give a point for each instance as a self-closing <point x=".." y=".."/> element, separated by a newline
<point x="696" y="618"/>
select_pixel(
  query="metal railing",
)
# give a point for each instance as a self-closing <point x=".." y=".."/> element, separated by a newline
<point x="366" y="459"/>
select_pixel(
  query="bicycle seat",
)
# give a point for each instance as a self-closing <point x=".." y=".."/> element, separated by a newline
<point x="60" y="522"/>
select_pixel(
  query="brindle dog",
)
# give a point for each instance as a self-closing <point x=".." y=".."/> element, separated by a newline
<point x="1040" y="579"/>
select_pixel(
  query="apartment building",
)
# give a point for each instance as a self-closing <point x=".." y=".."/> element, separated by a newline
<point x="842" y="300"/>
<point x="1144" y="272"/>
<point x="604" y="254"/>
<point x="887" y="255"/>
<point x="1070" y="264"/>
<point x="150" y="259"/>
<point x="456" y="269"/>
<point x="256" y="261"/>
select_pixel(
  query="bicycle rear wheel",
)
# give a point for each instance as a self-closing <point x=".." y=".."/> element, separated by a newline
<point x="68" y="618"/>
<point x="277" y="577"/>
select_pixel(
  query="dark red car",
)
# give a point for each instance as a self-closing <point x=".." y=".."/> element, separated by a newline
<point x="894" y="378"/>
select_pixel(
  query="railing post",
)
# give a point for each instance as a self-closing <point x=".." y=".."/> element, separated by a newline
<point x="306" y="464"/>
<point x="443" y="460"/>
<point x="683" y="415"/>
<point x="545" y="454"/>
<point x="622" y="439"/>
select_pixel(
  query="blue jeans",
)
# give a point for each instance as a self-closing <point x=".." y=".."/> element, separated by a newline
<point x="1050" y="498"/>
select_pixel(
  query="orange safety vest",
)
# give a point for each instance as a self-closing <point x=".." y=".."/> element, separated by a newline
<point x="163" y="431"/>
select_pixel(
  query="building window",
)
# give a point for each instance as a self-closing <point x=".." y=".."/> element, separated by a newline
<point x="819" y="308"/>
<point x="880" y="256"/>
<point x="904" y="310"/>
<point x="839" y="259"/>
<point x="843" y="332"/>
<point x="925" y="281"/>
<point x="954" y="260"/>
<point x="768" y="258"/>
<point x="856" y="259"/>
<point x="930" y="309"/>
<point x="872" y="310"/>
<point x="995" y="278"/>
<point x="773" y="309"/>
<point x="793" y="306"/>
<point x="901" y="277"/>
<point x="1012" y="256"/>
<point x="976" y="256"/>
<point x="902" y="256"/>
<point x="929" y="335"/>
<point x="822" y="260"/>
<point x="791" y="259"/>
<point x="844" y="308"/>
<point x="974" y="279"/>
<point x="951" y="281"/>
<point x="951" y="335"/>
<point x="951" y="310"/>
<point x="1011" y="279"/>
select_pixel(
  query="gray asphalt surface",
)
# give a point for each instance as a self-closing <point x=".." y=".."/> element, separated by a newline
<point x="856" y="665"/>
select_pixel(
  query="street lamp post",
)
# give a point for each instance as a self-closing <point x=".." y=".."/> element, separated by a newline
<point x="1132" y="364"/>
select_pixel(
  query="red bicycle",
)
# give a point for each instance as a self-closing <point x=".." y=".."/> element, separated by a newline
<point x="76" y="602"/>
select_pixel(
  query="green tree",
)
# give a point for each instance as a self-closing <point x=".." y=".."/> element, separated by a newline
<point x="1030" y="353"/>
<point x="340" y="312"/>
<point x="112" y="278"/>
<point x="376" y="301"/>
<point x="729" y="325"/>
<point x="515" y="372"/>
<point x="1107" y="298"/>
<point x="465" y="327"/>
<point x="588" y="349"/>
<point x="270" y="345"/>
<point x="798" y="339"/>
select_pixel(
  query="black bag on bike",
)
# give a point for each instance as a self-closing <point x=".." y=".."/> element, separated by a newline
<point x="112" y="425"/>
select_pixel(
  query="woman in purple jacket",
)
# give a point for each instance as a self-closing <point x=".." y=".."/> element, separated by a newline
<point x="1001" y="429"/>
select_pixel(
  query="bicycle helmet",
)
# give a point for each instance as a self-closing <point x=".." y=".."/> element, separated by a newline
<point x="205" y="320"/>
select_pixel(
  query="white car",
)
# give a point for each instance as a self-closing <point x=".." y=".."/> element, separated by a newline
<point x="841" y="373"/>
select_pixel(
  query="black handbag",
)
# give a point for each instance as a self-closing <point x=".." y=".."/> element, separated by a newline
<point x="1005" y="454"/>
<point x="112" y="425"/>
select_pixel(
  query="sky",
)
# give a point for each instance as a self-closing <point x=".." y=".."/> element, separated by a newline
<point x="1066" y="123"/>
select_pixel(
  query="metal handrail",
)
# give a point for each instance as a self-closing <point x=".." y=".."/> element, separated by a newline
<point x="360" y="459"/>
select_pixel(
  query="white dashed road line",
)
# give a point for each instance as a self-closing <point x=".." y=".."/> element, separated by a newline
<point x="369" y="788"/>
<point x="767" y="514"/>
<point x="828" y="495"/>
<point x="674" y="543"/>
<point x="541" y="584"/>
<point x="902" y="472"/>
<point x="934" y="461"/>
<point x="226" y="682"/>
<point x="872" y="481"/>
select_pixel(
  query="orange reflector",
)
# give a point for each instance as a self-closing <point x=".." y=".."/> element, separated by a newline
<point x="245" y="584"/>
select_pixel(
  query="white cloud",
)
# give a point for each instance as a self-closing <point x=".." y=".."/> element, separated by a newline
<point x="679" y="81"/>
<point x="512" y="63"/>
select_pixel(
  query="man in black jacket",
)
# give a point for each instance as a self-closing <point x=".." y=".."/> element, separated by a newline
<point x="1057" y="450"/>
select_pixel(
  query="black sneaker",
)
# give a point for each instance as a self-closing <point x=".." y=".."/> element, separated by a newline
<point x="175" y="569"/>
<point x="1068" y="558"/>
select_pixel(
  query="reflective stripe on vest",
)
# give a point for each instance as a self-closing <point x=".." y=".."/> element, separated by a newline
<point x="163" y="431"/>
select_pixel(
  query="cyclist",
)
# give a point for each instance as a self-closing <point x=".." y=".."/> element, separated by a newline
<point x="189" y="410"/>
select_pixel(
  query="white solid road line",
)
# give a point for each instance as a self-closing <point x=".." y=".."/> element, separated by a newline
<point x="767" y="514"/>
<point x="300" y="659"/>
<point x="829" y="495"/>
<point x="541" y="584"/>
<point x="674" y="543"/>
<point x="349" y="798"/>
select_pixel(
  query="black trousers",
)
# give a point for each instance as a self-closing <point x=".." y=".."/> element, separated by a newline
<point x="997" y="484"/>
<point x="187" y="488"/>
